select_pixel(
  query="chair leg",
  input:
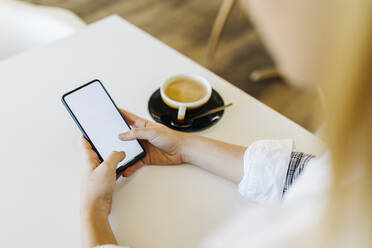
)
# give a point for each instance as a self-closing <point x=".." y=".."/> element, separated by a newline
<point x="265" y="73"/>
<point x="219" y="24"/>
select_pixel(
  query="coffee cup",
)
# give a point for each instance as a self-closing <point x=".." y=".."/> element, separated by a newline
<point x="185" y="91"/>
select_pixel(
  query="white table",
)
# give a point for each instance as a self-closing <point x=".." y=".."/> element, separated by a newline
<point x="157" y="207"/>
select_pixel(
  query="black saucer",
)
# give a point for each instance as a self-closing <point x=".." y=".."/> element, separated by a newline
<point x="160" y="112"/>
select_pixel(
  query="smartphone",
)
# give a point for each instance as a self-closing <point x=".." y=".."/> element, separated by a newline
<point x="100" y="121"/>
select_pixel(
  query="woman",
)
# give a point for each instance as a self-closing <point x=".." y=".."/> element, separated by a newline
<point x="305" y="38"/>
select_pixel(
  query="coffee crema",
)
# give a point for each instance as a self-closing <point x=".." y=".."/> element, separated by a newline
<point x="185" y="90"/>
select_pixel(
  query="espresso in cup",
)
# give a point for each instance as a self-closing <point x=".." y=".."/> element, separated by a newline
<point x="184" y="92"/>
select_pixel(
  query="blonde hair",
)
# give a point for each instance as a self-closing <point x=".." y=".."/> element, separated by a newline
<point x="344" y="28"/>
<point x="347" y="80"/>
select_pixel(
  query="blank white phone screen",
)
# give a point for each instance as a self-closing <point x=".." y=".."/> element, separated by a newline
<point x="101" y="121"/>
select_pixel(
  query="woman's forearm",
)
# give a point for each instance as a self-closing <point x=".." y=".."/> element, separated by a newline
<point x="220" y="158"/>
<point x="96" y="230"/>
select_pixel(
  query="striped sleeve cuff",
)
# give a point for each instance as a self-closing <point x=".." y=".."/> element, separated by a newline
<point x="297" y="163"/>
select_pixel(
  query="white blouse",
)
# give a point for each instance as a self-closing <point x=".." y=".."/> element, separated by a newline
<point x="278" y="220"/>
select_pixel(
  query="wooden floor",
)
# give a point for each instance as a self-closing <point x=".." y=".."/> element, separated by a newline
<point x="186" y="24"/>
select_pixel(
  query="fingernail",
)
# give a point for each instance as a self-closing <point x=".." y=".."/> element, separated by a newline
<point x="121" y="153"/>
<point x="123" y="136"/>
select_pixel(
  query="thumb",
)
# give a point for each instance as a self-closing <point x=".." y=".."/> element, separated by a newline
<point x="114" y="158"/>
<point x="138" y="133"/>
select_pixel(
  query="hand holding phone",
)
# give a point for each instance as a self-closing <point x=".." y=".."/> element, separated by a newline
<point x="100" y="121"/>
<point x="163" y="145"/>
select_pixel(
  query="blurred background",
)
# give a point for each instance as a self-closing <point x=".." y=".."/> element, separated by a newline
<point x="186" y="25"/>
